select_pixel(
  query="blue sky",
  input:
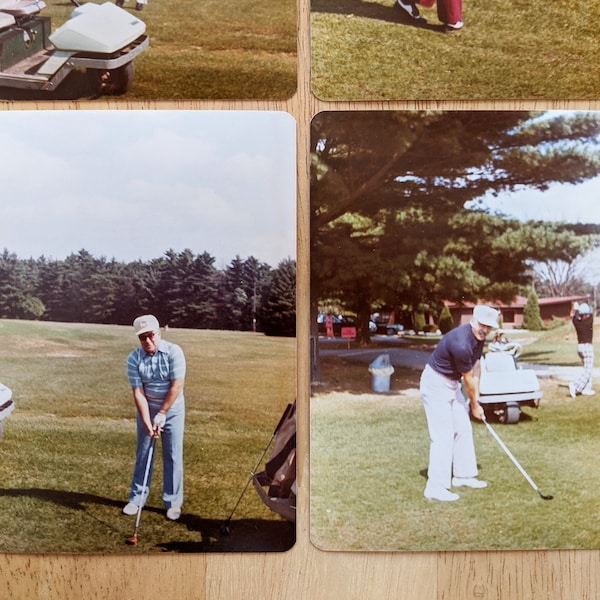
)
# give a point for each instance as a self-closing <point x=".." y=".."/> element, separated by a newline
<point x="570" y="203"/>
<point x="132" y="184"/>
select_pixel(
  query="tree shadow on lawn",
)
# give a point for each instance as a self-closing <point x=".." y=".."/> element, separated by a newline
<point x="371" y="10"/>
<point x="352" y="376"/>
<point x="246" y="535"/>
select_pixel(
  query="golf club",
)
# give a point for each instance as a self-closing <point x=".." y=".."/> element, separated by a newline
<point x="225" y="528"/>
<point x="516" y="462"/>
<point x="132" y="541"/>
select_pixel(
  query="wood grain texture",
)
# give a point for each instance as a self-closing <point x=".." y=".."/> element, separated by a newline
<point x="304" y="572"/>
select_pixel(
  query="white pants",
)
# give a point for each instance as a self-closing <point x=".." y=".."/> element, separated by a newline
<point x="452" y="451"/>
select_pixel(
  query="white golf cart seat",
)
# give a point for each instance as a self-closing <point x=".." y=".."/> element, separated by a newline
<point x="21" y="8"/>
<point x="501" y="380"/>
<point x="6" y="20"/>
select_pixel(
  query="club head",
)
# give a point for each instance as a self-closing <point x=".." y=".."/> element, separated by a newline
<point x="546" y="496"/>
<point x="132" y="541"/>
<point x="225" y="530"/>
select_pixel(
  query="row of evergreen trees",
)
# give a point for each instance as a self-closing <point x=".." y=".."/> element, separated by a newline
<point x="182" y="289"/>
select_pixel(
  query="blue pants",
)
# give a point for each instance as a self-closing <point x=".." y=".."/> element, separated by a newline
<point x="171" y="440"/>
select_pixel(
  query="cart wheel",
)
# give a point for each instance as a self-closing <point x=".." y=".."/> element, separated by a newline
<point x="115" y="82"/>
<point x="511" y="414"/>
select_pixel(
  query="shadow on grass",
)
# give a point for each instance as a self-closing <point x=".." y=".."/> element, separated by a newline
<point x="371" y="10"/>
<point x="246" y="535"/>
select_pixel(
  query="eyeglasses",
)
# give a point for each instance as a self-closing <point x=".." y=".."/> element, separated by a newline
<point x="144" y="336"/>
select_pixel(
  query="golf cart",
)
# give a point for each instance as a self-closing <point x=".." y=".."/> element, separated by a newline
<point x="505" y="386"/>
<point x="6" y="404"/>
<point x="95" y="47"/>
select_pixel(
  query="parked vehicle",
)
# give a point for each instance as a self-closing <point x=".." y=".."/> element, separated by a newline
<point x="505" y="386"/>
<point x="339" y="322"/>
<point x="383" y="325"/>
<point x="6" y="405"/>
<point x="98" y="42"/>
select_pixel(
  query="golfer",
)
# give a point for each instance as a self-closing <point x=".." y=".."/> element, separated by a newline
<point x="156" y="373"/>
<point x="452" y="460"/>
<point x="583" y="322"/>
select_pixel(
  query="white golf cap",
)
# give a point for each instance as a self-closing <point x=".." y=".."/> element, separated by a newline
<point x="145" y="323"/>
<point x="584" y="309"/>
<point x="486" y="315"/>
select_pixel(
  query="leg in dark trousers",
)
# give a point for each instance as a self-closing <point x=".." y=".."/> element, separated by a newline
<point x="449" y="11"/>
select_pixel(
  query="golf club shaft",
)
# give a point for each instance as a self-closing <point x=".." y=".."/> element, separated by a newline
<point x="514" y="460"/>
<point x="283" y="417"/>
<point x="145" y="482"/>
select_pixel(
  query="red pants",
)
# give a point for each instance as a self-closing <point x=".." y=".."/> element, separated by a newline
<point x="449" y="11"/>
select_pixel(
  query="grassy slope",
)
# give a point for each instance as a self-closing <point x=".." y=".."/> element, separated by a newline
<point x="508" y="50"/>
<point x="369" y="457"/>
<point x="212" y="49"/>
<point x="68" y="448"/>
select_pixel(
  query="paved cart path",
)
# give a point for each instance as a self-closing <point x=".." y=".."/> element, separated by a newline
<point x="417" y="359"/>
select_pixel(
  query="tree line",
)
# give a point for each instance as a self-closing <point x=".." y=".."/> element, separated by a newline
<point x="182" y="289"/>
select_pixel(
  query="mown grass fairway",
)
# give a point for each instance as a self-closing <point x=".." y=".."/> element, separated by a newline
<point x="369" y="457"/>
<point x="68" y="448"/>
<point x="211" y="49"/>
<point x="363" y="50"/>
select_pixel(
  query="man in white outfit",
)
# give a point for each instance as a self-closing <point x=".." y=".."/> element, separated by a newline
<point x="456" y="359"/>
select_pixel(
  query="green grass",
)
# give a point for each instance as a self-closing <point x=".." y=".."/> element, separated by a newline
<point x="211" y="49"/>
<point x="369" y="455"/>
<point x="362" y="50"/>
<point x="68" y="448"/>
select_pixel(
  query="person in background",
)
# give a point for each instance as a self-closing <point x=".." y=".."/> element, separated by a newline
<point x="156" y="373"/>
<point x="449" y="12"/>
<point x="456" y="359"/>
<point x="583" y="322"/>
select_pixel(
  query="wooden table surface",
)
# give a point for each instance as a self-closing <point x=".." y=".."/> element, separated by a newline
<point x="305" y="572"/>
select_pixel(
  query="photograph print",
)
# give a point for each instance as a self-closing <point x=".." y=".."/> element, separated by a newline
<point x="147" y="50"/>
<point x="454" y="50"/>
<point x="147" y="319"/>
<point x="454" y="273"/>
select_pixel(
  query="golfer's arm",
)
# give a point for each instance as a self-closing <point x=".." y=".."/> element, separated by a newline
<point x="141" y="404"/>
<point x="172" y="395"/>
<point x="471" y="380"/>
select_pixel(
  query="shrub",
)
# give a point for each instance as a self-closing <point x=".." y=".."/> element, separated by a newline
<point x="446" y="321"/>
<point x="532" y="318"/>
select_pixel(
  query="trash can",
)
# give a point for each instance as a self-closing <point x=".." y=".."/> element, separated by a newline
<point x="381" y="371"/>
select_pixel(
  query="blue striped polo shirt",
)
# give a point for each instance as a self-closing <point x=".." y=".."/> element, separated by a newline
<point x="155" y="372"/>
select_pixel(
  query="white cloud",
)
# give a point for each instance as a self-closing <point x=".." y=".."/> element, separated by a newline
<point x="216" y="182"/>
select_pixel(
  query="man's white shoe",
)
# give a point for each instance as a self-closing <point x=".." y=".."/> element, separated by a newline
<point x="572" y="390"/>
<point x="130" y="509"/>
<point x="409" y="8"/>
<point x="471" y="482"/>
<point x="588" y="393"/>
<point x="441" y="494"/>
<point x="173" y="514"/>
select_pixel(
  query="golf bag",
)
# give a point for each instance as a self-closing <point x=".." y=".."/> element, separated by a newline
<point x="276" y="484"/>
